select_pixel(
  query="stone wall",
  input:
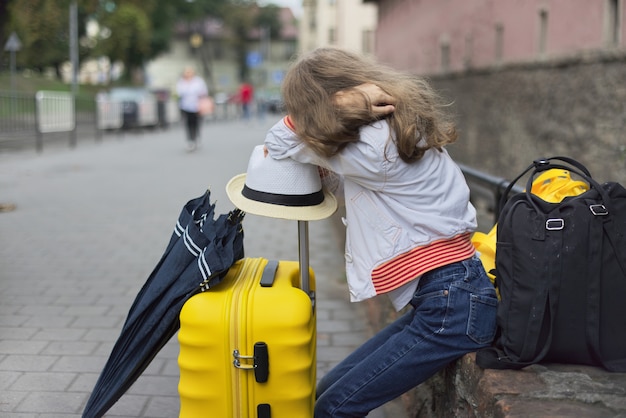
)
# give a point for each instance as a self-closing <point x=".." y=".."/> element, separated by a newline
<point x="511" y="115"/>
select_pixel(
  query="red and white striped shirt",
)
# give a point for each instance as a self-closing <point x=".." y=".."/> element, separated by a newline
<point x="406" y="267"/>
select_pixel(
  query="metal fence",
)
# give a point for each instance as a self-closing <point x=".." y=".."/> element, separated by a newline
<point x="32" y="121"/>
<point x="484" y="186"/>
<point x="28" y="120"/>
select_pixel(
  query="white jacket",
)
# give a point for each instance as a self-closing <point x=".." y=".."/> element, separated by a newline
<point x="391" y="207"/>
<point x="189" y="93"/>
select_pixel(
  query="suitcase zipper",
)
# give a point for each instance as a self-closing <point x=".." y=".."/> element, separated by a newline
<point x="242" y="292"/>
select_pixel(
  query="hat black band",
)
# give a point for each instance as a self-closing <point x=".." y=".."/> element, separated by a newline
<point x="311" y="199"/>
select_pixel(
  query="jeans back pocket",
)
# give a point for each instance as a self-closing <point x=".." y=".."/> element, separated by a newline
<point x="481" y="323"/>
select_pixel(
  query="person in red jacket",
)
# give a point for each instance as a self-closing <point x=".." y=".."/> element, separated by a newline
<point x="246" y="94"/>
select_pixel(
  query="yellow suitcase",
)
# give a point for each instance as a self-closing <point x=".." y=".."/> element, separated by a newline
<point x="248" y="345"/>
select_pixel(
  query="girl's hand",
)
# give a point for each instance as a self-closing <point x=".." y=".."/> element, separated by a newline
<point x="382" y="103"/>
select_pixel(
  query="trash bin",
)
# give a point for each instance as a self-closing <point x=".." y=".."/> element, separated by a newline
<point x="163" y="96"/>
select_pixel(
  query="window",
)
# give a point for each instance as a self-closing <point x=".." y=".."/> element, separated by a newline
<point x="469" y="51"/>
<point x="368" y="41"/>
<point x="499" y="51"/>
<point x="332" y="36"/>
<point x="290" y="50"/>
<point x="613" y="23"/>
<point x="445" y="56"/>
<point x="543" y="32"/>
<point x="218" y="50"/>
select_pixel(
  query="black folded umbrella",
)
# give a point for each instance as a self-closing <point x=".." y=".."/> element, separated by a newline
<point x="198" y="256"/>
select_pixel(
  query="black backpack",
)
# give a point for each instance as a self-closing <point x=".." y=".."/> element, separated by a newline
<point x="561" y="274"/>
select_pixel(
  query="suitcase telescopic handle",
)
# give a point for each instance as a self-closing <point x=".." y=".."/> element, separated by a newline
<point x="303" y="250"/>
<point x="269" y="273"/>
<point x="303" y="255"/>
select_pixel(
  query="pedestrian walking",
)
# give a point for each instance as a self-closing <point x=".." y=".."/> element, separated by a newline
<point x="191" y="89"/>
<point x="246" y="94"/>
<point x="381" y="134"/>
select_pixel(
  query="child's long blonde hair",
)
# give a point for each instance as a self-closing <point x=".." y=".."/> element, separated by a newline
<point x="418" y="121"/>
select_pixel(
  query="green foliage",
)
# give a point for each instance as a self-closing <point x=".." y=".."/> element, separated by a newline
<point x="197" y="9"/>
<point x="239" y="18"/>
<point x="129" y="39"/>
<point x="43" y="31"/>
<point x="242" y="17"/>
<point x="163" y="20"/>
<point x="268" y="18"/>
<point x="131" y="31"/>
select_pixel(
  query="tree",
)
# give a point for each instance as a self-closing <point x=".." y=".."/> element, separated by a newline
<point x="131" y="31"/>
<point x="4" y="21"/>
<point x="239" y="18"/>
<point x="136" y="31"/>
<point x="126" y="37"/>
<point x="193" y="10"/>
<point x="267" y="17"/>
<point x="163" y="19"/>
<point x="242" y="18"/>
<point x="43" y="28"/>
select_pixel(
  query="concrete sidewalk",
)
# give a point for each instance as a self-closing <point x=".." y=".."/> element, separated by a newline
<point x="89" y="226"/>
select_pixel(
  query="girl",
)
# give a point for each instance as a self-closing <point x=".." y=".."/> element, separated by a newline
<point x="408" y="219"/>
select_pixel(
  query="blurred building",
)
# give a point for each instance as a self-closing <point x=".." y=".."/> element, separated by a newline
<point x="349" y="24"/>
<point x="207" y="46"/>
<point x="435" y="36"/>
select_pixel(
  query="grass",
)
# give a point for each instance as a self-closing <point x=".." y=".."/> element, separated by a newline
<point x="28" y="83"/>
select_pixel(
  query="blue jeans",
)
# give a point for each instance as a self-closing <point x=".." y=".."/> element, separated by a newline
<point x="454" y="314"/>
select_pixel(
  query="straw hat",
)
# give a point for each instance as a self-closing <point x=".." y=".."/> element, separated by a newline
<point x="283" y="189"/>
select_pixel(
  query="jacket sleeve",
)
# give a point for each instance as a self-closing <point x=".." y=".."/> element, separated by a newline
<point x="364" y="162"/>
<point x="282" y="142"/>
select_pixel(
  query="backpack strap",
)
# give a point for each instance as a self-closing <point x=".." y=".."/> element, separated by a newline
<point x="540" y="325"/>
<point x="543" y="314"/>
<point x="593" y="302"/>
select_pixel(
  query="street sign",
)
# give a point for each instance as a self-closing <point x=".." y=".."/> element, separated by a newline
<point x="254" y="59"/>
<point x="277" y="76"/>
<point x="13" y="43"/>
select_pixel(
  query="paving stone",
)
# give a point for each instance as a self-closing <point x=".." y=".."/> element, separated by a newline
<point x="7" y="378"/>
<point x="17" y="333"/>
<point x="21" y="347"/>
<point x="77" y="348"/>
<point x="45" y="382"/>
<point x="10" y="400"/>
<point x="59" y="334"/>
<point x="333" y="325"/>
<point x="27" y="363"/>
<point x="348" y="339"/>
<point x="163" y="407"/>
<point x="51" y="402"/>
